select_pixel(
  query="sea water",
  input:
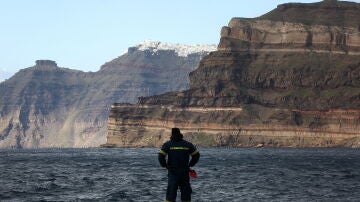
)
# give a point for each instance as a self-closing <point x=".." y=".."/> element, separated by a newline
<point x="224" y="174"/>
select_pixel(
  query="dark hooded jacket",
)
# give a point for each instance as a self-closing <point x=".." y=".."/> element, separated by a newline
<point x="178" y="152"/>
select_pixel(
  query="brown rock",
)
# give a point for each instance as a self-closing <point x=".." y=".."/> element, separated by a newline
<point x="45" y="63"/>
<point x="288" y="78"/>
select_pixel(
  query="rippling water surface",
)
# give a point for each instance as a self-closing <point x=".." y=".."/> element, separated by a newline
<point x="224" y="175"/>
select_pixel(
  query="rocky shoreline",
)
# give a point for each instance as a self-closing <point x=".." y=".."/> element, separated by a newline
<point x="295" y="129"/>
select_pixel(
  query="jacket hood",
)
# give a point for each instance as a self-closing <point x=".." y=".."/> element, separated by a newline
<point x="176" y="135"/>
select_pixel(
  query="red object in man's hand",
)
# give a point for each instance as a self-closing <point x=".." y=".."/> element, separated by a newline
<point x="192" y="173"/>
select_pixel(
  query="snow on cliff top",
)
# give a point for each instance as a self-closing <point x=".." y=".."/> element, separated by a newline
<point x="182" y="50"/>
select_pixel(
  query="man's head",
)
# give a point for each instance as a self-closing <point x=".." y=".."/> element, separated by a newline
<point x="176" y="135"/>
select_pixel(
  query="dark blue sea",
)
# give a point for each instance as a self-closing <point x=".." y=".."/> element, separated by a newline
<point x="224" y="174"/>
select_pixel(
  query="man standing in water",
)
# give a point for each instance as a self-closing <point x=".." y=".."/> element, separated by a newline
<point x="178" y="165"/>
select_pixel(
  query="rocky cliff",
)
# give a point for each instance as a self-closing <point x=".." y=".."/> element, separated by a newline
<point x="288" y="78"/>
<point x="50" y="106"/>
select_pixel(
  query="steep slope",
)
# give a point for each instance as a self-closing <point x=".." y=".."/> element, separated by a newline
<point x="288" y="78"/>
<point x="39" y="99"/>
<point x="49" y="106"/>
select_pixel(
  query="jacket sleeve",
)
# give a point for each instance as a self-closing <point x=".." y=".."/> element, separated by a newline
<point x="162" y="155"/>
<point x="195" y="156"/>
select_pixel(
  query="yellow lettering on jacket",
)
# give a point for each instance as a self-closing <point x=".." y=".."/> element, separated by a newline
<point x="179" y="148"/>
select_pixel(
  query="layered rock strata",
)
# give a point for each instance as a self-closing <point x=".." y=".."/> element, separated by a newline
<point x="50" y="106"/>
<point x="288" y="78"/>
<point x="233" y="126"/>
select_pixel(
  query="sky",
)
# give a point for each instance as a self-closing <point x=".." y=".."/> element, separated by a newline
<point x="84" y="34"/>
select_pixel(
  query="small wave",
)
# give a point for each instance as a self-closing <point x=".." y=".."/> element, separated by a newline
<point x="14" y="193"/>
<point x="46" y="186"/>
<point x="5" y="196"/>
<point x="118" y="195"/>
<point x="88" y="181"/>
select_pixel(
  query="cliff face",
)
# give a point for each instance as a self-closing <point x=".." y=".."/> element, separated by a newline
<point x="50" y="106"/>
<point x="35" y="104"/>
<point x="288" y="78"/>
